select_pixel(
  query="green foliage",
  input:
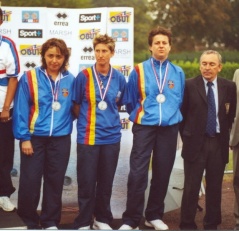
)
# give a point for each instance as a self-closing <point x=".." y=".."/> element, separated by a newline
<point x="191" y="69"/>
<point x="229" y="166"/>
<point x="47" y="3"/>
<point x="227" y="56"/>
<point x="197" y="24"/>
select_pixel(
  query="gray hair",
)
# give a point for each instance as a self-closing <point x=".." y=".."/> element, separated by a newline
<point x="208" y="52"/>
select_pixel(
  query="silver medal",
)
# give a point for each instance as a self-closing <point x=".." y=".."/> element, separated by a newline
<point x="56" y="106"/>
<point x="160" y="98"/>
<point x="102" y="105"/>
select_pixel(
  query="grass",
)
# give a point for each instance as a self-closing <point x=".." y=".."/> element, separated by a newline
<point x="229" y="166"/>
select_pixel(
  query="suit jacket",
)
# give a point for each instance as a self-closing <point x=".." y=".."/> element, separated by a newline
<point x="234" y="138"/>
<point x="194" y="110"/>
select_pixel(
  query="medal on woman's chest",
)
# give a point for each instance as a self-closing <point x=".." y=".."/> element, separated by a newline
<point x="102" y="105"/>
<point x="56" y="106"/>
<point x="160" y="98"/>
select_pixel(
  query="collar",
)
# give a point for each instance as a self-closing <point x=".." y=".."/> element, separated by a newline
<point x="158" y="63"/>
<point x="214" y="82"/>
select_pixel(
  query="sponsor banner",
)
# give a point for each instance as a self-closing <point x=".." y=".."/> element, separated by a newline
<point x="89" y="18"/>
<point x="29" y="27"/>
<point x="30" y="16"/>
<point x="30" y="33"/>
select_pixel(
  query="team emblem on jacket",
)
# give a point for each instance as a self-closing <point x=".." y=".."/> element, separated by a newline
<point x="65" y="92"/>
<point x="170" y="84"/>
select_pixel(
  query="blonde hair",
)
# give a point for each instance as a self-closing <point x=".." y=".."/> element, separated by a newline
<point x="105" y="39"/>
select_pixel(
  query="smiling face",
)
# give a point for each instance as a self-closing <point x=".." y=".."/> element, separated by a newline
<point x="160" y="47"/>
<point x="54" y="60"/>
<point x="210" y="66"/>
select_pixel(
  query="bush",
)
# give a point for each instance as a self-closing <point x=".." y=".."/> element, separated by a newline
<point x="227" y="56"/>
<point x="191" y="69"/>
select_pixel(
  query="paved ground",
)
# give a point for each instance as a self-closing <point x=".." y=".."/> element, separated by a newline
<point x="69" y="212"/>
<point x="173" y="197"/>
<point x="118" y="199"/>
<point x="172" y="217"/>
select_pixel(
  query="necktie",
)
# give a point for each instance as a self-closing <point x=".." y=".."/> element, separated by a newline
<point x="211" y="116"/>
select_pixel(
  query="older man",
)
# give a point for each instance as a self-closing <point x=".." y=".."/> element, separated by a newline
<point x="208" y="110"/>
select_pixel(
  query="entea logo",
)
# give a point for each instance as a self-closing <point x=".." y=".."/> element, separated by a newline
<point x="87" y="49"/>
<point x="61" y="16"/>
<point x="30" y="65"/>
<point x="6" y="15"/>
<point x="86" y="18"/>
<point x="120" y="17"/>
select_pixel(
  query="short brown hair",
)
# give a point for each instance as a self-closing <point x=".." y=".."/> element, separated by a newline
<point x="105" y="39"/>
<point x="59" y="43"/>
<point x="159" y="30"/>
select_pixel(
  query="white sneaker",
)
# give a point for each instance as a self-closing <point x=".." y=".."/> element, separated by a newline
<point x="85" y="227"/>
<point x="101" y="226"/>
<point x="6" y="204"/>
<point x="127" y="227"/>
<point x="52" y="227"/>
<point x="156" y="224"/>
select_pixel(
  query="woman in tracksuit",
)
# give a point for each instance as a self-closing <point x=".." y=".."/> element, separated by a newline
<point x="154" y="93"/>
<point x="98" y="93"/>
<point x="42" y="121"/>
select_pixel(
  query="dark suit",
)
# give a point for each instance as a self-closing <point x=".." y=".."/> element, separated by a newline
<point x="203" y="153"/>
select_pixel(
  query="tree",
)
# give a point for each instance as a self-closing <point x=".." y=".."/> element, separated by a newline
<point x="47" y="3"/>
<point x="231" y="36"/>
<point x="194" y="23"/>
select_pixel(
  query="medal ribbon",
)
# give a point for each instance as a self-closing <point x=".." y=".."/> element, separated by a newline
<point x="57" y="87"/>
<point x="160" y="86"/>
<point x="102" y="96"/>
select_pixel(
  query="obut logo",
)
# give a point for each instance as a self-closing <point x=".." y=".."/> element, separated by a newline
<point x="84" y="18"/>
<point x="23" y="33"/>
<point x="120" y="17"/>
<point x="31" y="50"/>
<point x="88" y="34"/>
<point x="6" y="15"/>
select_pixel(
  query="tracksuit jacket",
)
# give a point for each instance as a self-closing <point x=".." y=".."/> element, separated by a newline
<point x="33" y="113"/>
<point x="142" y="90"/>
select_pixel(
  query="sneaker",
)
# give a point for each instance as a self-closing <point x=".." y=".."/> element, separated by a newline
<point x="6" y="204"/>
<point x="52" y="227"/>
<point x="101" y="225"/>
<point x="156" y="224"/>
<point x="85" y="227"/>
<point x="127" y="227"/>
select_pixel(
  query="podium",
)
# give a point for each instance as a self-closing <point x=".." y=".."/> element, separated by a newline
<point x="10" y="220"/>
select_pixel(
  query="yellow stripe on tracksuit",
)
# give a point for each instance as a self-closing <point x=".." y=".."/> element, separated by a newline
<point x="91" y="108"/>
<point x="35" y="99"/>
<point x="141" y="84"/>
